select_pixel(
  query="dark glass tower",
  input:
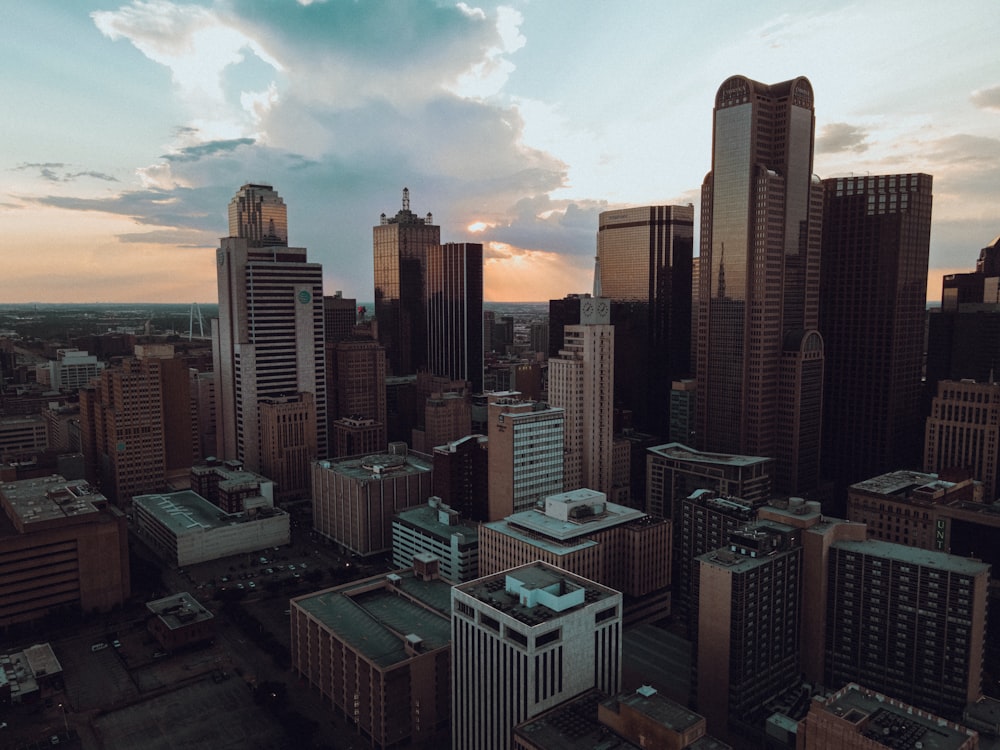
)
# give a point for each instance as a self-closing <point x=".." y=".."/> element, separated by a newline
<point x="455" y="312"/>
<point x="644" y="260"/>
<point x="759" y="356"/>
<point x="876" y="240"/>
<point x="400" y="245"/>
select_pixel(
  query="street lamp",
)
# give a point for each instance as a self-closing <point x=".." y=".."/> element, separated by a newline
<point x="65" y="722"/>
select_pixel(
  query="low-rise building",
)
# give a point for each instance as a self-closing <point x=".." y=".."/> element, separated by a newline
<point x="184" y="528"/>
<point x="379" y="651"/>
<point x="179" y="620"/>
<point x="62" y="544"/>
<point x="438" y="530"/>
<point x="25" y="674"/>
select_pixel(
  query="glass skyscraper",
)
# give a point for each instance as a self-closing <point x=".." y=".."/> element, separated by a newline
<point x="759" y="357"/>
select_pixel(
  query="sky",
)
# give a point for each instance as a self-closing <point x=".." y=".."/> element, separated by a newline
<point x="128" y="127"/>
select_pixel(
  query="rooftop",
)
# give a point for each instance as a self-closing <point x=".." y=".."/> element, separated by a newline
<point x="536" y="593"/>
<point x="659" y="708"/>
<point x="903" y="553"/>
<point x="377" y="616"/>
<point x="379" y="466"/>
<point x="33" y="501"/>
<point x="187" y="512"/>
<point x="903" y="483"/>
<point x="681" y="452"/>
<point x="178" y="610"/>
<point x="573" y="725"/>
<point x="892" y="723"/>
<point x="427" y="518"/>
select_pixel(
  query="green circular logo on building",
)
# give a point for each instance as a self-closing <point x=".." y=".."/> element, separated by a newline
<point x="304" y="297"/>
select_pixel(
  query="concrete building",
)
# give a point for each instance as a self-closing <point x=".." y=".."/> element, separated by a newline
<point x="454" y="300"/>
<point x="378" y="651"/>
<point x="22" y="437"/>
<point x="525" y="453"/>
<point x="873" y="290"/>
<point x="179" y="620"/>
<point x="746" y="653"/>
<point x="185" y="529"/>
<point x="447" y="417"/>
<point x="230" y="487"/>
<point x="28" y="674"/>
<point x="439" y="530"/>
<point x="582" y="533"/>
<point x="581" y="383"/>
<point x="627" y="721"/>
<point x="400" y="246"/>
<point x="62" y="544"/>
<point x="523" y="641"/>
<point x="857" y="718"/>
<point x="963" y="433"/>
<point x="907" y="622"/>
<point x="644" y="257"/>
<point x="460" y="476"/>
<point x="62" y="427"/>
<point x="69" y="371"/>
<point x="361" y="407"/>
<point x="759" y="353"/>
<point x="683" y="409"/>
<point x="268" y="341"/>
<point x="136" y="423"/>
<point x="288" y="443"/>
<point x="355" y="499"/>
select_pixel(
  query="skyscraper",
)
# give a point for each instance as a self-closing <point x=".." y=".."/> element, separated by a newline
<point x="876" y="240"/>
<point x="581" y="382"/>
<point x="523" y="641"/>
<point x="268" y="339"/>
<point x="644" y="258"/>
<point x="401" y="245"/>
<point x="759" y="355"/>
<point x="455" y="312"/>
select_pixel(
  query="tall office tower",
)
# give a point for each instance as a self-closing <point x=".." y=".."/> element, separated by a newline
<point x="523" y="641"/>
<point x="401" y="244"/>
<point x="447" y="417"/>
<point x="963" y="432"/>
<point x="288" y="443"/>
<point x="910" y="624"/>
<point x="361" y="397"/>
<point x="581" y="383"/>
<point x="489" y="322"/>
<point x="538" y="335"/>
<point x="746" y="599"/>
<point x="759" y="355"/>
<point x="202" y="386"/>
<point x="268" y="339"/>
<point x="525" y="453"/>
<point x="460" y="476"/>
<point x="455" y="312"/>
<point x="135" y="422"/>
<point x="644" y="260"/>
<point x="683" y="405"/>
<point x="340" y="315"/>
<point x="563" y="312"/>
<point x="876" y="240"/>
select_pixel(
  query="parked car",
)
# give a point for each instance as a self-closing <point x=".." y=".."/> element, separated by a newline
<point x="99" y="647"/>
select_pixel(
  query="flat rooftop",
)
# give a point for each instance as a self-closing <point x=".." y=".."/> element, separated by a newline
<point x="535" y="577"/>
<point x="187" y="512"/>
<point x="681" y="452"/>
<point x="378" y="466"/>
<point x="659" y="708"/>
<point x="32" y="501"/>
<point x="374" y="616"/>
<point x="552" y="527"/>
<point x="927" y="557"/>
<point x="902" y="483"/>
<point x="425" y="518"/>
<point x="179" y="610"/>
<point x="573" y="725"/>
<point x="892" y="723"/>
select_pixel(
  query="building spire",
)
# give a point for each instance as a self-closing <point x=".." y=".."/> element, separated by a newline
<point x="597" y="276"/>
<point x="406" y="199"/>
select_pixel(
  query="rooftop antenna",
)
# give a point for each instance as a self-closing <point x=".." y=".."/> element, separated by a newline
<point x="406" y="199"/>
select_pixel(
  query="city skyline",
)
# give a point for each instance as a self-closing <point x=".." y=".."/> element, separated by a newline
<point x="119" y="156"/>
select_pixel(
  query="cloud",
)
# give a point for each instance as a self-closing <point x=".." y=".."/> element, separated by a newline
<point x="208" y="148"/>
<point x="842" y="136"/>
<point x="55" y="172"/>
<point x="988" y="98"/>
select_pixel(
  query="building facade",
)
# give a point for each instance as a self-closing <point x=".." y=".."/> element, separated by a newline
<point x="439" y="530"/>
<point x="268" y="341"/>
<point x="963" y="432"/>
<point x="360" y="367"/>
<point x="523" y="641"/>
<point x="644" y="257"/>
<point x="759" y="354"/>
<point x="401" y="244"/>
<point x="876" y="241"/>
<point x="525" y="453"/>
<point x="355" y="499"/>
<point x="455" y="312"/>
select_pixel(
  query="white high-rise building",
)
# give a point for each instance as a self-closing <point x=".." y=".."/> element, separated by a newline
<point x="268" y="339"/>
<point x="523" y="641"/>
<point x="581" y="382"/>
